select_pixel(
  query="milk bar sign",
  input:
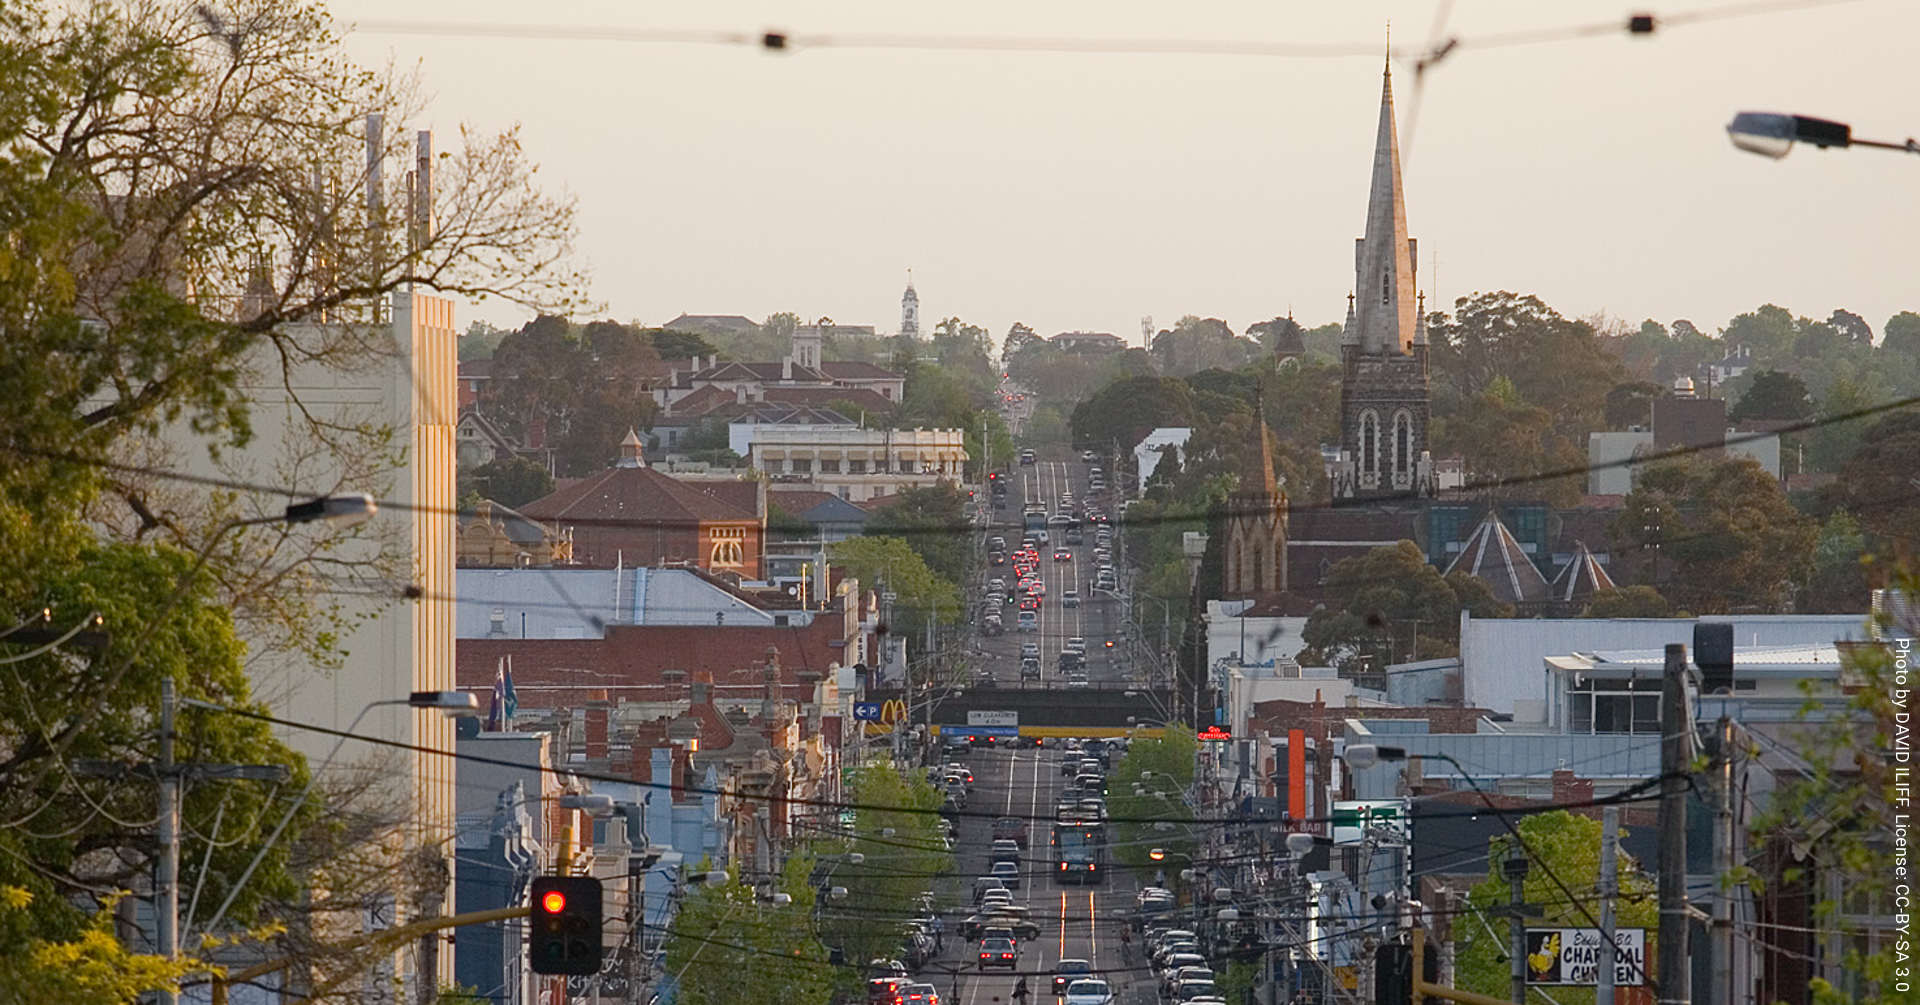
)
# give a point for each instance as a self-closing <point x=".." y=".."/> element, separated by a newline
<point x="980" y="717"/>
<point x="1572" y="956"/>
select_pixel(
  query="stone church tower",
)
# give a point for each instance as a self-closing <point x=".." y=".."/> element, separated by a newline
<point x="1255" y="556"/>
<point x="1383" y="352"/>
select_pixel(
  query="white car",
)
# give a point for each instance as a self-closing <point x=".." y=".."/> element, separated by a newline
<point x="1089" y="992"/>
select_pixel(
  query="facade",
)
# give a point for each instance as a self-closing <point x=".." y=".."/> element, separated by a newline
<point x="858" y="464"/>
<point x="1383" y="352"/>
<point x="910" y="310"/>
<point x="1147" y="453"/>
<point x="1679" y="421"/>
<point x="497" y="536"/>
<point x="803" y="377"/>
<point x="740" y="429"/>
<point x="632" y="514"/>
<point x="1089" y="343"/>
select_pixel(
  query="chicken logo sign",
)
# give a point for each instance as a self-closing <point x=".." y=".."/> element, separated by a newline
<point x="1572" y="956"/>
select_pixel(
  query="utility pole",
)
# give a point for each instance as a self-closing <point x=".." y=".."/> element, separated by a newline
<point x="1676" y="750"/>
<point x="166" y="874"/>
<point x="168" y="772"/>
<point x="1722" y="950"/>
<point x="1609" y="889"/>
<point x="1516" y="872"/>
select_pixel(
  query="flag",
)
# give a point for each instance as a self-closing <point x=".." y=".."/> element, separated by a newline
<point x="509" y="701"/>
<point x="496" y="721"/>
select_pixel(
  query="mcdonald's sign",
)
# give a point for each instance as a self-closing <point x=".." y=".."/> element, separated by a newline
<point x="892" y="712"/>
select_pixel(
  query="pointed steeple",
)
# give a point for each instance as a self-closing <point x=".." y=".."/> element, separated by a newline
<point x="1258" y="481"/>
<point x="1384" y="259"/>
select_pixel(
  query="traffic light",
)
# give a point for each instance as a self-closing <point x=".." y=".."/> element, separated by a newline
<point x="1109" y="643"/>
<point x="566" y="925"/>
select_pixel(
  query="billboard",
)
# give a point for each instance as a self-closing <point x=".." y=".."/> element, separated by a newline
<point x="992" y="718"/>
<point x="1572" y="956"/>
<point x="1353" y="818"/>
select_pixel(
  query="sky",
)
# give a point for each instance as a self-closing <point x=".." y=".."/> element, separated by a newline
<point x="1086" y="191"/>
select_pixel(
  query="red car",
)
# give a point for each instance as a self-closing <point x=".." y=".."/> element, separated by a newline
<point x="1029" y="603"/>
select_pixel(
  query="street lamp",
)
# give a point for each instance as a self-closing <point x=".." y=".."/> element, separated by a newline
<point x="1772" y="134"/>
<point x="456" y="704"/>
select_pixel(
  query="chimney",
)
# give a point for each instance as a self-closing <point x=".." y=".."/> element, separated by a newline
<point x="598" y="714"/>
<point x="740" y="394"/>
<point x="421" y="221"/>
<point x="786" y="368"/>
<point x="700" y="692"/>
<point x="1568" y="789"/>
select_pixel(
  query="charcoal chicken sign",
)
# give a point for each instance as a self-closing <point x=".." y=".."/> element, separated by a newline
<point x="1572" y="956"/>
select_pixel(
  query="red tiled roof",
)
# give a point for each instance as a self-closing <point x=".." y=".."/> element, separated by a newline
<point x="628" y="663"/>
<point x="635" y="494"/>
<point x="702" y="401"/>
<point x="865" y="397"/>
<point x="798" y="501"/>
<point x="740" y="493"/>
<point x="851" y="370"/>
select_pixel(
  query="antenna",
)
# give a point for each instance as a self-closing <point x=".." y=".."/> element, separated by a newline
<point x="1146" y="332"/>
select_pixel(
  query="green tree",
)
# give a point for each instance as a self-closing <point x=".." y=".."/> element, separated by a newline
<point x="1768" y="332"/>
<point x="1566" y="846"/>
<point x="1162" y="769"/>
<point x="1379" y="601"/>
<point x="679" y="345"/>
<point x="1773" y="395"/>
<point x="896" y="832"/>
<point x="1195" y="343"/>
<point x="1901" y="334"/>
<point x="1839" y="582"/>
<point x="1875" y="482"/>
<point x="1851" y="326"/>
<point x="509" y="480"/>
<point x="1631" y="404"/>
<point x="479" y="341"/>
<point x="1502" y="435"/>
<point x="1019" y="337"/>
<point x="724" y="938"/>
<point x="583" y="389"/>
<point x="932" y="522"/>
<point x="1716" y="536"/>
<point x="1630" y="602"/>
<point x="92" y="967"/>
<point x="1126" y="411"/>
<point x="891" y="563"/>
<point x="1046" y="427"/>
<point x="1825" y="827"/>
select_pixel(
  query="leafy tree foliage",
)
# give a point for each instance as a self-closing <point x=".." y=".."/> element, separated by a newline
<point x="1195" y="343"/>
<point x="1630" y="602"/>
<point x="1163" y="769"/>
<point x="1768" y="332"/>
<point x="583" y="390"/>
<point x="896" y="831"/>
<point x="1715" y="536"/>
<point x="479" y="341"/>
<point x="1503" y="436"/>
<point x="1839" y="582"/>
<point x="1902" y="334"/>
<point x="92" y="968"/>
<point x="724" y="938"/>
<point x="510" y="481"/>
<point x="932" y="522"/>
<point x="1125" y="411"/>
<point x="679" y="345"/>
<point x="1876" y="486"/>
<point x="891" y="563"/>
<point x="1830" y="821"/>
<point x="1631" y="404"/>
<point x="1851" y="326"/>
<point x="1568" y="847"/>
<point x="1773" y="395"/>
<point x="1376" y="600"/>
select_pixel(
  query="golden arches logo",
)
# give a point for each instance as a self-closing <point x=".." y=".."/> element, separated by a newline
<point x="893" y="710"/>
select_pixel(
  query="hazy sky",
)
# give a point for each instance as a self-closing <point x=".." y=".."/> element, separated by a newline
<point x="1077" y="191"/>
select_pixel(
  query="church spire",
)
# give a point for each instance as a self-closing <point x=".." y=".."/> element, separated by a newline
<point x="1268" y="484"/>
<point x="1384" y="260"/>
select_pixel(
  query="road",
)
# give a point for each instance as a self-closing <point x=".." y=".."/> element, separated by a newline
<point x="1097" y="619"/>
<point x="1076" y="922"/>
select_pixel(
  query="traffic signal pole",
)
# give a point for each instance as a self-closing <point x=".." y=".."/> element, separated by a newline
<point x="386" y="937"/>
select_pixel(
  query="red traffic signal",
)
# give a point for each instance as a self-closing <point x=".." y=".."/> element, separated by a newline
<point x="1109" y="643"/>
<point x="566" y="926"/>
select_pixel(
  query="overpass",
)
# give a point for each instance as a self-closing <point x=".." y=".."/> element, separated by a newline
<point x="1039" y="711"/>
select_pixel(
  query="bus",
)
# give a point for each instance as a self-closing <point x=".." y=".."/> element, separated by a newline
<point x="1034" y="518"/>
<point x="1079" y="851"/>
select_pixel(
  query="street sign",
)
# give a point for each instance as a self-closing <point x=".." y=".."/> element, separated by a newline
<point x="973" y="732"/>
<point x="993" y="718"/>
<point x="1572" y="956"/>
<point x="866" y="711"/>
<point x="1353" y="818"/>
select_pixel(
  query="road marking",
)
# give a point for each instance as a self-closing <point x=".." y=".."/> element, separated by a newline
<point x="1093" y="932"/>
<point x="1063" y="924"/>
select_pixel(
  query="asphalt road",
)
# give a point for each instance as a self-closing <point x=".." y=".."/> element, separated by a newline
<point x="1076" y="922"/>
<point x="1096" y="619"/>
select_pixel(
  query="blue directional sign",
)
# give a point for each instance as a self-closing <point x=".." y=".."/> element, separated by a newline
<point x="866" y="711"/>
<point x="996" y="732"/>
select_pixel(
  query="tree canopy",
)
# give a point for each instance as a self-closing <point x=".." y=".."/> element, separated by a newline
<point x="1385" y="598"/>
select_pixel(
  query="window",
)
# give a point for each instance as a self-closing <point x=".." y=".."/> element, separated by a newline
<point x="856" y="466"/>
<point x="801" y="465"/>
<point x="1383" y="287"/>
<point x="830" y="466"/>
<point x="1402" y="444"/>
<point x="1369" y="443"/>
<point x="729" y="546"/>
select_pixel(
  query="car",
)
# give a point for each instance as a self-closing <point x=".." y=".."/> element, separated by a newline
<point x="996" y="901"/>
<point x="1187" y="991"/>
<point x="982" y="885"/>
<point x="1067" y="971"/>
<point x="999" y="953"/>
<point x="1093" y="808"/>
<point x="1029" y="649"/>
<point x="996" y="585"/>
<point x="1027" y="621"/>
<point x="1029" y="669"/>
<point x="1004" y="850"/>
<point x="996" y="558"/>
<point x="1077" y="643"/>
<point x="919" y="994"/>
<point x="1062" y="555"/>
<point x="1175" y="975"/>
<point x="886" y="990"/>
<point x="1070" y="598"/>
<point x="1078" y="680"/>
<point x="1002" y="921"/>
<point x="1037" y="588"/>
<point x="1011" y="829"/>
<point x="1089" y="991"/>
<point x="1088" y="456"/>
<point x="996" y="543"/>
<point x="1174" y="955"/>
<point x="962" y="771"/>
<point x="1007" y="872"/>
